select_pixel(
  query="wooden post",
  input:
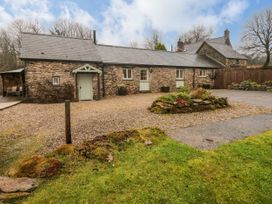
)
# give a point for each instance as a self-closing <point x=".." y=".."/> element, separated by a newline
<point x="68" y="122"/>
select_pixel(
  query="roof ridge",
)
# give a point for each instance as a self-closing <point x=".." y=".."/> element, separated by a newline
<point x="59" y="36"/>
<point x="136" y="48"/>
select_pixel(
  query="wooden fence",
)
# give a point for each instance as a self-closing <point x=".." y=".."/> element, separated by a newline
<point x="225" y="77"/>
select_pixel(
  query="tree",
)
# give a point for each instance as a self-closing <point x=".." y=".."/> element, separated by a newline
<point x="151" y="42"/>
<point x="160" y="46"/>
<point x="196" y="34"/>
<point x="8" y="56"/>
<point x="67" y="28"/>
<point x="18" y="26"/>
<point x="257" y="35"/>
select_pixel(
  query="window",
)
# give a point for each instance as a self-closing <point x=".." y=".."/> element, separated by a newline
<point x="56" y="80"/>
<point x="179" y="74"/>
<point x="127" y="73"/>
<point x="202" y="73"/>
<point x="144" y="75"/>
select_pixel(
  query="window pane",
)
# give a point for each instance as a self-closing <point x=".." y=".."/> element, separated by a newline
<point x="181" y="73"/>
<point x="143" y="75"/>
<point x="177" y="73"/>
<point x="124" y="73"/>
<point x="129" y="74"/>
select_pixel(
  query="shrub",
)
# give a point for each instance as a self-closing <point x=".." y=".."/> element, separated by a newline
<point x="200" y="93"/>
<point x="183" y="95"/>
<point x="252" y="85"/>
<point x="168" y="98"/>
<point x="185" y="89"/>
<point x="48" y="93"/>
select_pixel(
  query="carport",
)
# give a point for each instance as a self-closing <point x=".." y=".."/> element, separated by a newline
<point x="13" y="82"/>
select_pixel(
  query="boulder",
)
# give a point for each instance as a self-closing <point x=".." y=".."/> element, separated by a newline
<point x="197" y="100"/>
<point x="206" y="102"/>
<point x="11" y="185"/>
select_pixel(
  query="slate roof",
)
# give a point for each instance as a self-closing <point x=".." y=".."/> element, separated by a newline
<point x="226" y="50"/>
<point x="218" y="44"/>
<point x="48" y="47"/>
<point x="136" y="56"/>
<point x="13" y="71"/>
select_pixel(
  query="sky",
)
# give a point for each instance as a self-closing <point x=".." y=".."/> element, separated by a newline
<point x="120" y="22"/>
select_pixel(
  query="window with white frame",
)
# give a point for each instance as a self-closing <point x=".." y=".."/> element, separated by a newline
<point x="202" y="73"/>
<point x="179" y="74"/>
<point x="127" y="73"/>
<point x="56" y="80"/>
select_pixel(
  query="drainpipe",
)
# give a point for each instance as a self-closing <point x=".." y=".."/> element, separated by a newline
<point x="103" y="81"/>
<point x="193" y="77"/>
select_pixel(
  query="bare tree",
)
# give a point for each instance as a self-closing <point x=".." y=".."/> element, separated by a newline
<point x="257" y="35"/>
<point x="67" y="28"/>
<point x="151" y="42"/>
<point x="18" y="26"/>
<point x="8" y="57"/>
<point x="196" y="34"/>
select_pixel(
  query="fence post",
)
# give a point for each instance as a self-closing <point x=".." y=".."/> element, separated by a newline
<point x="68" y="122"/>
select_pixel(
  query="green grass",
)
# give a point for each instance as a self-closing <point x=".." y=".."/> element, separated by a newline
<point x="168" y="172"/>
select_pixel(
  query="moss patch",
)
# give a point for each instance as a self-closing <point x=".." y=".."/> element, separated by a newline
<point x="35" y="167"/>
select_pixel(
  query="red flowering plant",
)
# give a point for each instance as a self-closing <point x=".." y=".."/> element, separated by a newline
<point x="181" y="102"/>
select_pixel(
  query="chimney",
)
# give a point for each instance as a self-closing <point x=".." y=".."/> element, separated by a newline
<point x="94" y="36"/>
<point x="180" y="46"/>
<point x="226" y="33"/>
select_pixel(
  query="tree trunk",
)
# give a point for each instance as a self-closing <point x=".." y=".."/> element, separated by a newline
<point x="267" y="59"/>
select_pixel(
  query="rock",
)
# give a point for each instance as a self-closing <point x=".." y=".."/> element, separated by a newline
<point x="148" y="143"/>
<point x="196" y="100"/>
<point x="11" y="185"/>
<point x="206" y="102"/>
<point x="36" y="167"/>
<point x="13" y="196"/>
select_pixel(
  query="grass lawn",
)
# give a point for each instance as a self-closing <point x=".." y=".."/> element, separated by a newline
<point x="167" y="172"/>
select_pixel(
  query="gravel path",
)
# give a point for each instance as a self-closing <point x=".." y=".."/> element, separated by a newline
<point x="93" y="118"/>
<point x="209" y="136"/>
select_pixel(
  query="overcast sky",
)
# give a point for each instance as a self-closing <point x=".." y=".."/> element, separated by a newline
<point x="119" y="22"/>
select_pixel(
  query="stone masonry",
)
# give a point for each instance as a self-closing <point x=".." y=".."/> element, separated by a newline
<point x="229" y="63"/>
<point x="39" y="71"/>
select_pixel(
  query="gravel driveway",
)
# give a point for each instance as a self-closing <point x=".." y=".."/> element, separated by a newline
<point x="258" y="98"/>
<point x="93" y="118"/>
<point x="211" y="135"/>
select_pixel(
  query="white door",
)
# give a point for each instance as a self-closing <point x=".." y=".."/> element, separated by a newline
<point x="144" y="80"/>
<point x="85" y="87"/>
<point x="179" y="83"/>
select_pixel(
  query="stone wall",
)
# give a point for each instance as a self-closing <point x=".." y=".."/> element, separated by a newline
<point x="233" y="63"/>
<point x="159" y="76"/>
<point x="230" y="63"/>
<point x="39" y="71"/>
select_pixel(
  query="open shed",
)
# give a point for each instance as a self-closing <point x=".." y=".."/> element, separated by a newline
<point x="13" y="82"/>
